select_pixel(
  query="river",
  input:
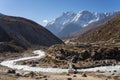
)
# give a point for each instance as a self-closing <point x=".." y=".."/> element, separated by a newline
<point x="41" y="54"/>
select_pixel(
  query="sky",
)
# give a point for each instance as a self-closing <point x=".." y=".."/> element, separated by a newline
<point x="43" y="11"/>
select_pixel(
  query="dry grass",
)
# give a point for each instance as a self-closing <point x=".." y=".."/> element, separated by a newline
<point x="109" y="30"/>
<point x="7" y="78"/>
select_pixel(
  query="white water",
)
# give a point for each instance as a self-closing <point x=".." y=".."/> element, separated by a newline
<point x="41" y="54"/>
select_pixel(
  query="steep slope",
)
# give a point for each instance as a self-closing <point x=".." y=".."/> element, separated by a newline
<point x="110" y="30"/>
<point x="62" y="25"/>
<point x="69" y="28"/>
<point x="91" y="27"/>
<point x="25" y="33"/>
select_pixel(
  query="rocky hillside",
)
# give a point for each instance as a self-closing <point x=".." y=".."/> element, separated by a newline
<point x="107" y="31"/>
<point x="91" y="27"/>
<point x="25" y="33"/>
<point x="84" y="56"/>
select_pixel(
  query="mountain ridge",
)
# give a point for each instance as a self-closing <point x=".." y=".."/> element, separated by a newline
<point x="25" y="32"/>
<point x="91" y="27"/>
<point x="80" y="19"/>
<point x="108" y="31"/>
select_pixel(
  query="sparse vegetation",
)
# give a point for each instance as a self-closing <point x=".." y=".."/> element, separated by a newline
<point x="10" y="47"/>
<point x="107" y="31"/>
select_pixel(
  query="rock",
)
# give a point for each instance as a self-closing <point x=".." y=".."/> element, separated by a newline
<point x="85" y="54"/>
<point x="24" y="63"/>
<point x="69" y="78"/>
<point x="11" y="71"/>
<point x="32" y="74"/>
<point x="93" y="53"/>
<point x="98" y="71"/>
<point x="45" y="76"/>
<point x="28" y="74"/>
<point x="33" y="65"/>
<point x="68" y="74"/>
<point x="21" y="73"/>
<point x="24" y="74"/>
<point x="114" y="71"/>
<point x="100" y="50"/>
<point x="84" y="75"/>
<point x="74" y="76"/>
<point x="84" y="51"/>
<point x="110" y="71"/>
<point x="18" y="74"/>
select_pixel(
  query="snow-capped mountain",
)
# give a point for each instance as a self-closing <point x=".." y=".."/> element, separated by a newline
<point x="59" y="23"/>
<point x="70" y="22"/>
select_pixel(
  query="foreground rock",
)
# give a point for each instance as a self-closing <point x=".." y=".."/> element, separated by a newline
<point x="84" y="75"/>
<point x="85" y="56"/>
<point x="12" y="71"/>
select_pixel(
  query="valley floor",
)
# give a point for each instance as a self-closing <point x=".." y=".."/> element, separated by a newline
<point x="62" y="76"/>
<point x="90" y="76"/>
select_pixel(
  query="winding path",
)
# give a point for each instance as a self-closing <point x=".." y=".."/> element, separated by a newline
<point x="41" y="54"/>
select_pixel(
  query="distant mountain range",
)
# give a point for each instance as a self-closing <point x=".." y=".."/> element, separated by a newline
<point x="25" y="33"/>
<point x="108" y="31"/>
<point x="69" y="23"/>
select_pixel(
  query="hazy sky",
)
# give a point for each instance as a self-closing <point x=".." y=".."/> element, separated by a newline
<point x="43" y="11"/>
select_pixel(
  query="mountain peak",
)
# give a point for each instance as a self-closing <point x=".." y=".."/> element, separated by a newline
<point x="68" y="13"/>
<point x="84" y="12"/>
<point x="108" y="31"/>
<point x="80" y="19"/>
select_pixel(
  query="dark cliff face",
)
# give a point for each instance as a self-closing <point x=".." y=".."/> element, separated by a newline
<point x="25" y="33"/>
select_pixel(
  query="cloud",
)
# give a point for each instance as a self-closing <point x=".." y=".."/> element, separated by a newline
<point x="45" y="21"/>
